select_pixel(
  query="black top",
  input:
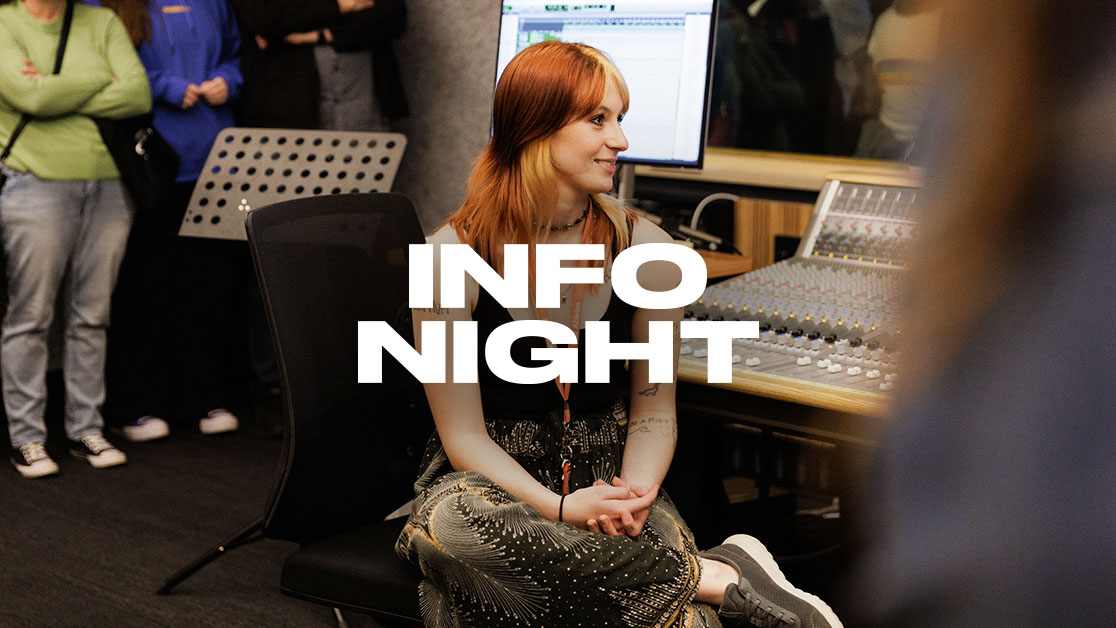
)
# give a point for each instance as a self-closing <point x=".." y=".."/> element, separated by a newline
<point x="501" y="398"/>
<point x="281" y="83"/>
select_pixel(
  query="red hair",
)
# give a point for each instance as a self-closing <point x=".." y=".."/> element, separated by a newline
<point x="513" y="190"/>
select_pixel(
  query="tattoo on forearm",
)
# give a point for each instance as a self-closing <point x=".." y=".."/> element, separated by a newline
<point x="437" y="310"/>
<point x="650" y="392"/>
<point x="664" y="425"/>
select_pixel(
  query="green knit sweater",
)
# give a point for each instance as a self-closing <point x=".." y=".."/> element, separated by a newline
<point x="101" y="76"/>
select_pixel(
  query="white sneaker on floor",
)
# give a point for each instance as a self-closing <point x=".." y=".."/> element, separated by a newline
<point x="145" y="428"/>
<point x="33" y="461"/>
<point x="218" y="421"/>
<point x="98" y="452"/>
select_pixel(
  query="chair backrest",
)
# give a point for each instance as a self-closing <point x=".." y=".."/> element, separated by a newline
<point x="350" y="451"/>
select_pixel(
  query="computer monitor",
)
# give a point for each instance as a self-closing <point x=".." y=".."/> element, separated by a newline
<point x="664" y="49"/>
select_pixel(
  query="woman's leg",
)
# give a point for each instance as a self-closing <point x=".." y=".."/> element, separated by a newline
<point x="104" y="218"/>
<point x="208" y="321"/>
<point x="715" y="577"/>
<point x="137" y="377"/>
<point x="39" y="221"/>
<point x="490" y="559"/>
<point x="762" y="595"/>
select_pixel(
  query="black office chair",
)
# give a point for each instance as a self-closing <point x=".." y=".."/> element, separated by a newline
<point x="350" y="451"/>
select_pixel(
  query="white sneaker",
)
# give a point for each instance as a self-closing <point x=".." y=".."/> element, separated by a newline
<point x="33" y="461"/>
<point x="218" y="421"/>
<point x="98" y="452"/>
<point x="145" y="428"/>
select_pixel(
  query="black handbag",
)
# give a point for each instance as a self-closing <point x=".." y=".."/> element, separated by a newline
<point x="147" y="163"/>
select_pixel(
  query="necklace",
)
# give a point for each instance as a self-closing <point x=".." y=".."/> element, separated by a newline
<point x="555" y="229"/>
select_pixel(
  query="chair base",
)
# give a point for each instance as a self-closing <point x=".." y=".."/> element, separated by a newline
<point x="249" y="534"/>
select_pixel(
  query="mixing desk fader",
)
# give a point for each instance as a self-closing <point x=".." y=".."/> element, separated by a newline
<point x="828" y="315"/>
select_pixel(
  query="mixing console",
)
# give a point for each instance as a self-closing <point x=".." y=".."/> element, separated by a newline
<point x="827" y="315"/>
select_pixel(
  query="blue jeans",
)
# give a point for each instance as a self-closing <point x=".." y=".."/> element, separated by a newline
<point x="66" y="235"/>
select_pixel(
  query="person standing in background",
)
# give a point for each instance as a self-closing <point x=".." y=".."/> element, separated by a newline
<point x="313" y="64"/>
<point x="902" y="50"/>
<point x="322" y="64"/>
<point x="175" y="295"/>
<point x="64" y="216"/>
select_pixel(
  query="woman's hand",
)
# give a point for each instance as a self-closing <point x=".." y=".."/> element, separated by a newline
<point x="215" y="91"/>
<point x="630" y="523"/>
<point x="320" y="36"/>
<point x="348" y="6"/>
<point x="590" y="507"/>
<point x="585" y="506"/>
<point x="29" y="70"/>
<point x="190" y="98"/>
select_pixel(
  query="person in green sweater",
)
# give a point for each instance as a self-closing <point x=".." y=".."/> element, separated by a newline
<point x="64" y="216"/>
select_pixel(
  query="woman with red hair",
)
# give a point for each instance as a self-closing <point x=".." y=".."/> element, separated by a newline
<point x="539" y="504"/>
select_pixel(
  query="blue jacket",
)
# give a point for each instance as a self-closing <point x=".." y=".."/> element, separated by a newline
<point x="192" y="41"/>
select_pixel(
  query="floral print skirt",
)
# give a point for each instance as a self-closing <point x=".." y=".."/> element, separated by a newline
<point x="489" y="559"/>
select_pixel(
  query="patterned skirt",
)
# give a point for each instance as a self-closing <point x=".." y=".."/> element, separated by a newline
<point x="490" y="559"/>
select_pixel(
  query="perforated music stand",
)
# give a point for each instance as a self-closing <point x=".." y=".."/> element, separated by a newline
<point x="253" y="167"/>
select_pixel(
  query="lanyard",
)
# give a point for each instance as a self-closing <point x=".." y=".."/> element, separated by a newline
<point x="564" y="387"/>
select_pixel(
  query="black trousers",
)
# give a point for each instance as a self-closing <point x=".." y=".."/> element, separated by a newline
<point x="188" y="333"/>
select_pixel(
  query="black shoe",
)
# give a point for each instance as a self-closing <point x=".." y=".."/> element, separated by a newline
<point x="764" y="597"/>
<point x="97" y="451"/>
<point x="33" y="461"/>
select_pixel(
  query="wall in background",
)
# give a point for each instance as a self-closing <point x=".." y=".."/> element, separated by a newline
<point x="448" y="59"/>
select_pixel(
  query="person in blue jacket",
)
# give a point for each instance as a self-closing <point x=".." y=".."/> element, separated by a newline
<point x="173" y="307"/>
<point x="193" y="65"/>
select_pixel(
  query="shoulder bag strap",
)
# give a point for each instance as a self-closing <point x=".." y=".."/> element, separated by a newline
<point x="67" y="20"/>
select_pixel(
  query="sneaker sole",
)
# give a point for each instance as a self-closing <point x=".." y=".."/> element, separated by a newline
<point x="102" y="461"/>
<point x="766" y="561"/>
<point x="36" y="470"/>
<point x="144" y="434"/>
<point x="209" y="427"/>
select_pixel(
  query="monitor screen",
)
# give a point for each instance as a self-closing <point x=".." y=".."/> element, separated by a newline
<point x="663" y="48"/>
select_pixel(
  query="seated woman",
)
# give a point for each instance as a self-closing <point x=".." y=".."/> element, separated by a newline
<point x="539" y="505"/>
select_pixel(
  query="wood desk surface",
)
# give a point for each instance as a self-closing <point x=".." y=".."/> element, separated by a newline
<point x="719" y="264"/>
<point x="815" y="394"/>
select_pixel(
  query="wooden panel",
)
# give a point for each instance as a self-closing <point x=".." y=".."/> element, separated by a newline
<point x="719" y="264"/>
<point x="780" y="170"/>
<point x="759" y="221"/>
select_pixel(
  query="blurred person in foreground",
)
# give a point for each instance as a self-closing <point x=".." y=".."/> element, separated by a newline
<point x="995" y="493"/>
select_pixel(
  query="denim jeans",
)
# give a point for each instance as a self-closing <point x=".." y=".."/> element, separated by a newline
<point x="67" y="235"/>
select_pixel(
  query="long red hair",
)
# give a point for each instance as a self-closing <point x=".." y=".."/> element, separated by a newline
<point x="513" y="189"/>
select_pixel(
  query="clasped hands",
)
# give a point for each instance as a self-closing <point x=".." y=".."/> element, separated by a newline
<point x="215" y="91"/>
<point x="315" y="36"/>
<point x="616" y="509"/>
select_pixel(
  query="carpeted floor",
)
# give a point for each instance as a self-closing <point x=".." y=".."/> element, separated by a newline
<point x="90" y="547"/>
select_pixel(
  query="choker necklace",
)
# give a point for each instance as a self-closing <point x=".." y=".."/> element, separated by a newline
<point x="555" y="229"/>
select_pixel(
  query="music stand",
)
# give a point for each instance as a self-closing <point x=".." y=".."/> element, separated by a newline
<point x="253" y="167"/>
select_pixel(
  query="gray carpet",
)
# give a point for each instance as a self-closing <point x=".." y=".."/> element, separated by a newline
<point x="90" y="547"/>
